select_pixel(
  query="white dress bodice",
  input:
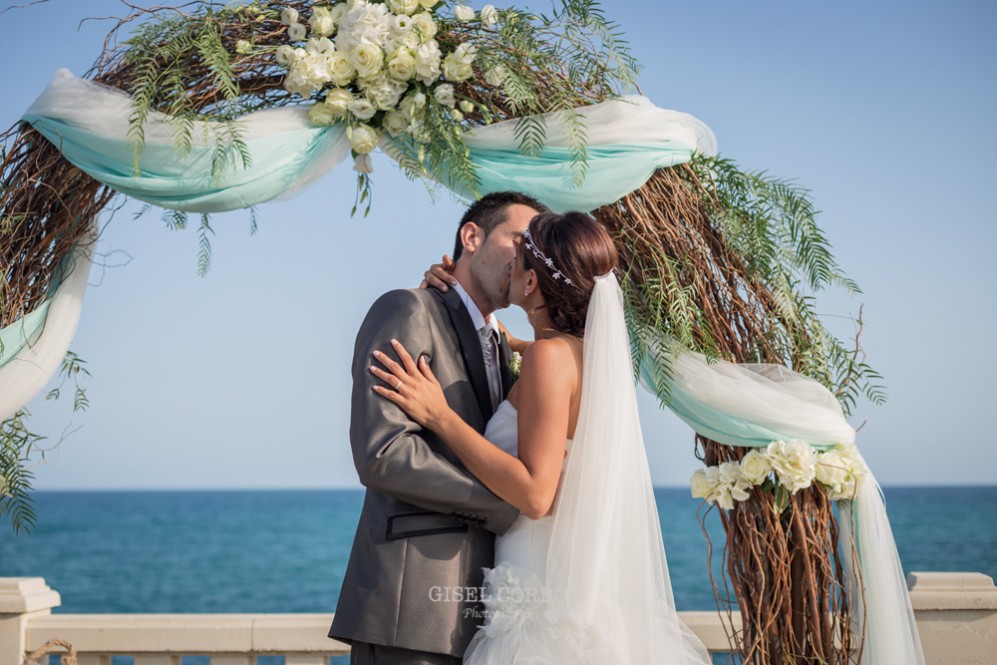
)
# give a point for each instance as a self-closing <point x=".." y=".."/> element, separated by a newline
<point x="524" y="545"/>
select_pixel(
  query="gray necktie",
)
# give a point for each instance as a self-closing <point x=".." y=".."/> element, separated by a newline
<point x="489" y="349"/>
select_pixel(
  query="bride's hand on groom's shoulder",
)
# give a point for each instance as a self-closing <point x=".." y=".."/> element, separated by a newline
<point x="412" y="386"/>
<point x="440" y="275"/>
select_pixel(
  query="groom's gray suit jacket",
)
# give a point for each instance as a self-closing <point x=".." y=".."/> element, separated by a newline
<point x="427" y="527"/>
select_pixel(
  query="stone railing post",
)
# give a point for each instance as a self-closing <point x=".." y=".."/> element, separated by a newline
<point x="956" y="617"/>
<point x="21" y="600"/>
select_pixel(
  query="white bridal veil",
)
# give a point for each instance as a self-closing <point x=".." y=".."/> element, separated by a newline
<point x="606" y="557"/>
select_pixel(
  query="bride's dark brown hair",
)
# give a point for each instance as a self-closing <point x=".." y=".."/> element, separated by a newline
<point x="580" y="249"/>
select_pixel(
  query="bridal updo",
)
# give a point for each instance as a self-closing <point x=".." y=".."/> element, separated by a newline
<point x="580" y="249"/>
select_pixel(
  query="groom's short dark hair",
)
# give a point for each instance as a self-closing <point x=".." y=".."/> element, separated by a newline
<point x="489" y="211"/>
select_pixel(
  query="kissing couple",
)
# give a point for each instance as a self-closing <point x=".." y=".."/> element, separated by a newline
<point x="506" y="522"/>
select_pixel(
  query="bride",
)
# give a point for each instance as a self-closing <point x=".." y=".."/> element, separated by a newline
<point x="581" y="576"/>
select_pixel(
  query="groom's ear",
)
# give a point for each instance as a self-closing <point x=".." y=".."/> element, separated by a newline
<point x="472" y="237"/>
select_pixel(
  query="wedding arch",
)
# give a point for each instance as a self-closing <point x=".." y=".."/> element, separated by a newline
<point x="206" y="108"/>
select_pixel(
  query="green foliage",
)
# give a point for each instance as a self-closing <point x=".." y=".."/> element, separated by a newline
<point x="771" y="225"/>
<point x="19" y="446"/>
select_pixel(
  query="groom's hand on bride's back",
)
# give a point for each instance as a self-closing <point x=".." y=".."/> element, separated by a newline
<point x="440" y="275"/>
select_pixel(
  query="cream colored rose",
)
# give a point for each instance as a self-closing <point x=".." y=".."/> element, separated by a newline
<point x="285" y="55"/>
<point x="455" y="69"/>
<point x="338" y="101"/>
<point x="367" y="59"/>
<point x="444" y="94"/>
<point x="296" y="32"/>
<point x="755" y="467"/>
<point x="401" y="65"/>
<point x="831" y="469"/>
<point x="289" y="16"/>
<point x="395" y="123"/>
<point x="321" y="114"/>
<point x="363" y="138"/>
<point x="428" y="4"/>
<point x="424" y="24"/>
<point x="466" y="106"/>
<point x="362" y="108"/>
<point x="341" y="68"/>
<point x="703" y="483"/>
<point x="457" y="115"/>
<point x="463" y="13"/>
<point x="403" y="6"/>
<point x="794" y="462"/>
<point x="489" y="16"/>
<point x="322" y="22"/>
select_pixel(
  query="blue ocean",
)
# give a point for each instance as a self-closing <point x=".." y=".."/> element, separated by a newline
<point x="286" y="551"/>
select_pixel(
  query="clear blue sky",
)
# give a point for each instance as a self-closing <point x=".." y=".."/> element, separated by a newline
<point x="885" y="111"/>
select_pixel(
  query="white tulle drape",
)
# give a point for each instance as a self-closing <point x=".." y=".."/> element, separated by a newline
<point x="606" y="557"/>
<point x="25" y="374"/>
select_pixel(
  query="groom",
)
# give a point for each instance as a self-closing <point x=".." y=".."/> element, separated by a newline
<point x="428" y="527"/>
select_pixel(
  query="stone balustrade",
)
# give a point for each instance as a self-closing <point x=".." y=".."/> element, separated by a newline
<point x="956" y="615"/>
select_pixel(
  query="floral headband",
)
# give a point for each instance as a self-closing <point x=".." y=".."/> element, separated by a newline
<point x="555" y="273"/>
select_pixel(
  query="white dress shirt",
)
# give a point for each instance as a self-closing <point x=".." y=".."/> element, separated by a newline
<point x="489" y="347"/>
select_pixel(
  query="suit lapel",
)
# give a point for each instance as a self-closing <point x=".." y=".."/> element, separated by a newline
<point x="470" y="348"/>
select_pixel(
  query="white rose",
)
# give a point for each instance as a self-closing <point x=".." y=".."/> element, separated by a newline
<point x="320" y="45"/>
<point x="285" y="55"/>
<point x="703" y="484"/>
<point x="403" y="6"/>
<point x="831" y="469"/>
<point x="444" y="94"/>
<point x="341" y="69"/>
<point x="401" y="65"/>
<point x="242" y="46"/>
<point x="362" y="163"/>
<point x="755" y="467"/>
<point x="489" y="16"/>
<point x="363" y="138"/>
<point x="424" y="24"/>
<point x="494" y="76"/>
<point x="367" y="59"/>
<point x="794" y="462"/>
<point x="322" y="22"/>
<point x="454" y="69"/>
<point x="338" y="101"/>
<point x="463" y="13"/>
<point x="289" y="16"/>
<point x="394" y="123"/>
<point x="296" y="32"/>
<point x="321" y="114"/>
<point x="362" y="109"/>
<point x="427" y="62"/>
<point x="428" y="4"/>
<point x="466" y="106"/>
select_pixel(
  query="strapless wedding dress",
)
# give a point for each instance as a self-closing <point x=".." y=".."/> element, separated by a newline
<point x="524" y="621"/>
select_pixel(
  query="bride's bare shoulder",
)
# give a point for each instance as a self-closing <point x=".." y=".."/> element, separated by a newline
<point x="554" y="358"/>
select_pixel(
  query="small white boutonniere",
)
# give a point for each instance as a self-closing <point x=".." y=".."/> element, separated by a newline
<point x="515" y="363"/>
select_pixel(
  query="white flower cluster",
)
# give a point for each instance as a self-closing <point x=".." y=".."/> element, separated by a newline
<point x="378" y="63"/>
<point x="794" y="464"/>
